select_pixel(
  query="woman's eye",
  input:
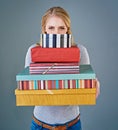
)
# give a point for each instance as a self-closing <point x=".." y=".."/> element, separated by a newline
<point x="62" y="28"/>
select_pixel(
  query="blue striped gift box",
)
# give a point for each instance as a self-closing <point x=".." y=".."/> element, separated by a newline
<point x="56" y="40"/>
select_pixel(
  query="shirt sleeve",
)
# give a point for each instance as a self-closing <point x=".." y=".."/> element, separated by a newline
<point x="28" y="56"/>
<point x="84" y="56"/>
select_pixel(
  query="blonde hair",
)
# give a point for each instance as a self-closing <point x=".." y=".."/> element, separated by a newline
<point x="56" y="11"/>
<point x="60" y="12"/>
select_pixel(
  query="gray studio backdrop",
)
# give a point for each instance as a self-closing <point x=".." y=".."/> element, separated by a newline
<point x="94" y="24"/>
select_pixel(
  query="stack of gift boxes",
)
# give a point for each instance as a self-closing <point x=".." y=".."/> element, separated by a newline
<point x="55" y="65"/>
<point x="55" y="76"/>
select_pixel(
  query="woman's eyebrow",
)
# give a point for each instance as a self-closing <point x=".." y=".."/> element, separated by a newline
<point x="50" y="26"/>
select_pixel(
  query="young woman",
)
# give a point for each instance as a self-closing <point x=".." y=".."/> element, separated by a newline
<point x="57" y="21"/>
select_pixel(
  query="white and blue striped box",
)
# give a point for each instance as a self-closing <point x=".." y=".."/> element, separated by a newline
<point x="56" y="40"/>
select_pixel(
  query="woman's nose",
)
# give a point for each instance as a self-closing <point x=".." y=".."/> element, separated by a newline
<point x="56" y="31"/>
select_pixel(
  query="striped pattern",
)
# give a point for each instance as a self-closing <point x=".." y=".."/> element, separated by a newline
<point x="55" y="84"/>
<point x="56" y="40"/>
<point x="85" y="72"/>
<point x="54" y="68"/>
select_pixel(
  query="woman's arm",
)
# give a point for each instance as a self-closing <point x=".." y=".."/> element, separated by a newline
<point x="84" y="59"/>
<point x="84" y="56"/>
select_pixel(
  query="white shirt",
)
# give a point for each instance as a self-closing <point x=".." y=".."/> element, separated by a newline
<point x="57" y="114"/>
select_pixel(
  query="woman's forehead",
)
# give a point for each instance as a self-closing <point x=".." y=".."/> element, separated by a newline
<point x="55" y="20"/>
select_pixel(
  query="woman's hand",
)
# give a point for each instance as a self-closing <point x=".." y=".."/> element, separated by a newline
<point x="97" y="86"/>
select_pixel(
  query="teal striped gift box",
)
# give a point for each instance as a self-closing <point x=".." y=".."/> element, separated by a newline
<point x="84" y="79"/>
<point x="85" y="72"/>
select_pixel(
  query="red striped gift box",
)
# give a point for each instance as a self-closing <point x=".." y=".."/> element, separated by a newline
<point x="54" y="68"/>
<point x="56" y="84"/>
